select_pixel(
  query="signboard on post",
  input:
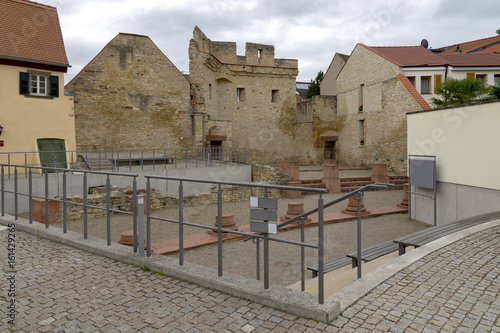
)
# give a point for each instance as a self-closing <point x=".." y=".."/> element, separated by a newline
<point x="422" y="173"/>
<point x="265" y="210"/>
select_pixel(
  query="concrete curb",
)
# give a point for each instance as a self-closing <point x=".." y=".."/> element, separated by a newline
<point x="290" y="301"/>
<point x="352" y="293"/>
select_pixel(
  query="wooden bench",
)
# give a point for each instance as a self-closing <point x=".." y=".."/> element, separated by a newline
<point x="373" y="252"/>
<point x="331" y="265"/>
<point x="141" y="161"/>
<point x="367" y="254"/>
<point x="428" y="235"/>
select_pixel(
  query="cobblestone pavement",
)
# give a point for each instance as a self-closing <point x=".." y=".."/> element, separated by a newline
<point x="62" y="289"/>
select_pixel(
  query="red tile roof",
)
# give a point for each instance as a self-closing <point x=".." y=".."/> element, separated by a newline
<point x="31" y="32"/>
<point x="490" y="44"/>
<point x="423" y="103"/>
<point x="473" y="59"/>
<point x="408" y="56"/>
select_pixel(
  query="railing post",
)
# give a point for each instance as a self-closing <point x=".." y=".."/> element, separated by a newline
<point x="358" y="197"/>
<point x="266" y="250"/>
<point x="30" y="189"/>
<point x="3" y="191"/>
<point x="148" y="218"/>
<point x="130" y="159"/>
<point x="321" y="254"/>
<point x="164" y="158"/>
<point x="302" y="255"/>
<point x="140" y="207"/>
<point x="219" y="229"/>
<point x="15" y="194"/>
<point x="46" y="199"/>
<point x="181" y="225"/>
<point x="84" y="205"/>
<point x="118" y="160"/>
<point x="108" y="212"/>
<point x="65" y="230"/>
<point x="142" y="159"/>
<point x="134" y="209"/>
<point x="257" y="250"/>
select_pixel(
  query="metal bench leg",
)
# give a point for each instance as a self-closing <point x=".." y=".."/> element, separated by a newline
<point x="354" y="262"/>
<point x="402" y="249"/>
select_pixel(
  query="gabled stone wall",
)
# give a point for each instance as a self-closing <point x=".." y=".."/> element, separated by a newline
<point x="132" y="96"/>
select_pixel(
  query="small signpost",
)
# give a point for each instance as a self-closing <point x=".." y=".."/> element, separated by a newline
<point x="265" y="210"/>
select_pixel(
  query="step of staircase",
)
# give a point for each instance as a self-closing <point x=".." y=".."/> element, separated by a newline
<point x="353" y="183"/>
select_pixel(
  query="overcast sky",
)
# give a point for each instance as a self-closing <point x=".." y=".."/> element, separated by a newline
<point x="310" y="31"/>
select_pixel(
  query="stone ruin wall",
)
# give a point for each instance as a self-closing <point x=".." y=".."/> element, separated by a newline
<point x="261" y="119"/>
<point x="122" y="198"/>
<point x="132" y="96"/>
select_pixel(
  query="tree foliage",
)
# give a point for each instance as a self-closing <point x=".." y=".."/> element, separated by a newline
<point x="498" y="31"/>
<point x="456" y="92"/>
<point x="314" y="86"/>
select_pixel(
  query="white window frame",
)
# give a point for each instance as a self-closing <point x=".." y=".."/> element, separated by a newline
<point x="38" y="85"/>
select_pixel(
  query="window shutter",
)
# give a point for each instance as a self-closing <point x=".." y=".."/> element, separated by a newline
<point x="54" y="86"/>
<point x="438" y="79"/>
<point x="24" y="83"/>
<point x="471" y="75"/>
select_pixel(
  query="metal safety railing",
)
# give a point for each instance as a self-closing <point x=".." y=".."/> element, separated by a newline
<point x="35" y="193"/>
<point x="111" y="159"/>
<point x="265" y="238"/>
<point x="138" y="213"/>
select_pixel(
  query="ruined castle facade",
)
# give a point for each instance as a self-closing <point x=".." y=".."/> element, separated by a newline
<point x="131" y="96"/>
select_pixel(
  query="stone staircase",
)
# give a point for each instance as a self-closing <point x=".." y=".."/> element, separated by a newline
<point x="353" y="183"/>
<point x="311" y="183"/>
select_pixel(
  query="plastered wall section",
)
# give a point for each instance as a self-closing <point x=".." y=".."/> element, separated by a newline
<point x="463" y="139"/>
<point x="132" y="96"/>
<point x="256" y="94"/>
<point x="372" y="117"/>
<point x="26" y="119"/>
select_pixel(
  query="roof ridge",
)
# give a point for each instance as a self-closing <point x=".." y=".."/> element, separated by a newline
<point x="470" y="41"/>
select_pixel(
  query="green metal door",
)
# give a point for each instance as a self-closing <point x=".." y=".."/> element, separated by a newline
<point x="52" y="153"/>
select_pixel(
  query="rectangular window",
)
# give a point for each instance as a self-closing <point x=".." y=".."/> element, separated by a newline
<point x="361" y="88"/>
<point x="438" y="81"/>
<point x="240" y="94"/>
<point x="481" y="77"/>
<point x="259" y="53"/>
<point x="425" y="85"/>
<point x="471" y="75"/>
<point x="361" y="132"/>
<point x="497" y="80"/>
<point x="38" y="85"/>
<point x="275" y="96"/>
<point x="209" y="91"/>
<point x="411" y="79"/>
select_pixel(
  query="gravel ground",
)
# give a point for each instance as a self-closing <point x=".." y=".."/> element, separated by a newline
<point x="240" y="258"/>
